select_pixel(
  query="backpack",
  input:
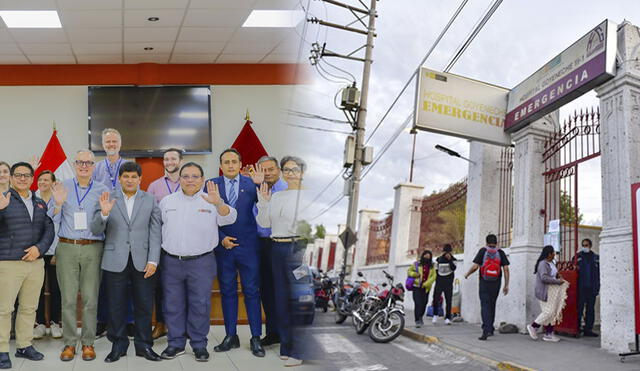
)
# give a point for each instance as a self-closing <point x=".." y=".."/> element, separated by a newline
<point x="411" y="280"/>
<point x="490" y="269"/>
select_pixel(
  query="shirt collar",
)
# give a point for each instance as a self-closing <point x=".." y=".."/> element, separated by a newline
<point x="124" y="196"/>
<point x="227" y="181"/>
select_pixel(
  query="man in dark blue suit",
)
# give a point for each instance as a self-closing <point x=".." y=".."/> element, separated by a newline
<point x="238" y="251"/>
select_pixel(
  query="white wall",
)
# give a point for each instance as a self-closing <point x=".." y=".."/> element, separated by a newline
<point x="28" y="113"/>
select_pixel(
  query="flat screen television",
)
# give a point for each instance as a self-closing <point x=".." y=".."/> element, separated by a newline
<point x="151" y="119"/>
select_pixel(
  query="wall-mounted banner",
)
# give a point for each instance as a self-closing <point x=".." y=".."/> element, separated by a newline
<point x="584" y="65"/>
<point x="455" y="105"/>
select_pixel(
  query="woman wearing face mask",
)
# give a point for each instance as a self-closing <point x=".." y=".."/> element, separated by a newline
<point x="423" y="275"/>
<point x="551" y="290"/>
<point x="4" y="176"/>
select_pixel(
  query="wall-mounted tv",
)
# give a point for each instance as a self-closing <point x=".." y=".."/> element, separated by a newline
<point x="151" y="119"/>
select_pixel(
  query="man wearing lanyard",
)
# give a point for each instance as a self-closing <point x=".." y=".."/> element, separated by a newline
<point x="161" y="188"/>
<point x="190" y="220"/>
<point x="79" y="254"/>
<point x="268" y="166"/>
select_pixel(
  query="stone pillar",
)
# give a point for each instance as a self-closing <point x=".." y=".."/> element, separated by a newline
<point x="337" y="263"/>
<point x="520" y="306"/>
<point x="401" y="224"/>
<point x="620" y="148"/>
<point x="326" y="248"/>
<point x="481" y="218"/>
<point x="362" y="242"/>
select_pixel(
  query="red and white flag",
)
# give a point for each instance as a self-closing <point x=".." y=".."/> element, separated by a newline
<point x="54" y="159"/>
<point x="248" y="144"/>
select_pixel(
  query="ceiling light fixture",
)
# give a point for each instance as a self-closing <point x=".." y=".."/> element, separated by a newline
<point x="274" y="18"/>
<point x="148" y="48"/>
<point x="153" y="19"/>
<point x="31" y="18"/>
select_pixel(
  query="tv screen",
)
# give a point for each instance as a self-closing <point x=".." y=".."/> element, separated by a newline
<point x="151" y="119"/>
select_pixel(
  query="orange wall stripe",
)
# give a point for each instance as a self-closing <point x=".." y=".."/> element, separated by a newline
<point x="153" y="74"/>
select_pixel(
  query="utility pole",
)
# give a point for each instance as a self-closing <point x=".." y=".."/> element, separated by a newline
<point x="356" y="113"/>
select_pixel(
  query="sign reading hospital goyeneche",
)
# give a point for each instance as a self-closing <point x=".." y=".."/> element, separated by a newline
<point x="584" y="65"/>
<point x="454" y="105"/>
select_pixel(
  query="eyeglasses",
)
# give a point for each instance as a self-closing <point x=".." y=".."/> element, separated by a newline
<point x="22" y="176"/>
<point x="293" y="170"/>
<point x="84" y="163"/>
<point x="190" y="177"/>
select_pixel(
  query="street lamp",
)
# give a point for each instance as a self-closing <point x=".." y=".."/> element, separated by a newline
<point x="452" y="153"/>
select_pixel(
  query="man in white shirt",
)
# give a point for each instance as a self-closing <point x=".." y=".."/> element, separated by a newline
<point x="190" y="220"/>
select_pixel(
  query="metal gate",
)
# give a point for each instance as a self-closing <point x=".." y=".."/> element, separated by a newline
<point x="576" y="141"/>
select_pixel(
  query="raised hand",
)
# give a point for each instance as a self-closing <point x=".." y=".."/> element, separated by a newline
<point x="265" y="191"/>
<point x="5" y="200"/>
<point x="105" y="204"/>
<point x="256" y="173"/>
<point x="213" y="194"/>
<point x="60" y="193"/>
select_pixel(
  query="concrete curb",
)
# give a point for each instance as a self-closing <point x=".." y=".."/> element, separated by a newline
<point x="498" y="365"/>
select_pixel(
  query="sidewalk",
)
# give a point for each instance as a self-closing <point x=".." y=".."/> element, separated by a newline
<point x="519" y="351"/>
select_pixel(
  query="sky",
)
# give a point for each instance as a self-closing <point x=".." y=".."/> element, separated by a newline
<point x="520" y="38"/>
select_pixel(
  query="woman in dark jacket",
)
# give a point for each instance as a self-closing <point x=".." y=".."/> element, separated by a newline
<point x="551" y="290"/>
<point x="445" y="267"/>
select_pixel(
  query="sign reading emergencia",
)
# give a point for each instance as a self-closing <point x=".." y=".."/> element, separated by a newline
<point x="579" y="68"/>
<point x="455" y="105"/>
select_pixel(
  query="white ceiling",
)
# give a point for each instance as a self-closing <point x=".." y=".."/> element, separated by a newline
<point x="117" y="31"/>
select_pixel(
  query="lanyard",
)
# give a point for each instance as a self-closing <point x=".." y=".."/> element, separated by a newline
<point x="75" y="184"/>
<point x="113" y="179"/>
<point x="169" y="188"/>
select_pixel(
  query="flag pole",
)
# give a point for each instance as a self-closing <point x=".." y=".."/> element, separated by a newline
<point x="247" y="118"/>
<point x="54" y="125"/>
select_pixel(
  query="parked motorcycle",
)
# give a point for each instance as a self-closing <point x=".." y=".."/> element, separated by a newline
<point x="348" y="297"/>
<point x="368" y="307"/>
<point x="387" y="322"/>
<point x="324" y="292"/>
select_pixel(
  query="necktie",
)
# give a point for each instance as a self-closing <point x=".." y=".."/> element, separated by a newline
<point x="233" y="197"/>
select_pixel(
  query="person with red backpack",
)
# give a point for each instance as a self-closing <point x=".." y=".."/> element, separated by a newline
<point x="493" y="263"/>
<point x="420" y="278"/>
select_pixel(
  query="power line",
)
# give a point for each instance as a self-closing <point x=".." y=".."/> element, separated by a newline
<point x="318" y="129"/>
<point x="331" y="205"/>
<point x="417" y="70"/>
<point x="388" y="144"/>
<point x="314" y="116"/>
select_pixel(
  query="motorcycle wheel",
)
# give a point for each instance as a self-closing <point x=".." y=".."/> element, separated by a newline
<point x="340" y="317"/>
<point x="325" y="307"/>
<point x="360" y="326"/>
<point x="382" y="331"/>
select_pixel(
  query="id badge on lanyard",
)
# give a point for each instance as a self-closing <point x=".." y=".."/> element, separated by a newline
<point x="80" y="221"/>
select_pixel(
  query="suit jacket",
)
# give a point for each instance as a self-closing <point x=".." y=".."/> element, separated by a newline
<point x="245" y="229"/>
<point x="141" y="236"/>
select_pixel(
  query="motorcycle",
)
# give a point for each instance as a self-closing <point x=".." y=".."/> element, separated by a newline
<point x="323" y="293"/>
<point x="387" y="322"/>
<point x="368" y="307"/>
<point x="348" y="297"/>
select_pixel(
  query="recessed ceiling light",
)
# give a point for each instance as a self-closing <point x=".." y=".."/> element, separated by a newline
<point x="148" y="48"/>
<point x="31" y="18"/>
<point x="153" y="19"/>
<point x="274" y="18"/>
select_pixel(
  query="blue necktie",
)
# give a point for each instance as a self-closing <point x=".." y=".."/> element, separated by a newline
<point x="233" y="197"/>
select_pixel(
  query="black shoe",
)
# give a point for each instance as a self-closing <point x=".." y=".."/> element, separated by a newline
<point x="172" y="352"/>
<point x="148" y="354"/>
<point x="201" y="354"/>
<point x="5" y="361"/>
<point x="228" y="343"/>
<point x="101" y="330"/>
<point x="256" y="347"/>
<point x="29" y="353"/>
<point x="590" y="333"/>
<point x="270" y="339"/>
<point x="484" y="336"/>
<point x="131" y="330"/>
<point x="114" y="355"/>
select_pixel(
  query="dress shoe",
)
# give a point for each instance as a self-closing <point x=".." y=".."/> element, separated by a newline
<point x="172" y="352"/>
<point x="484" y="336"/>
<point x="270" y="339"/>
<point x="590" y="333"/>
<point x="68" y="354"/>
<point x="114" y="355"/>
<point x="228" y="343"/>
<point x="88" y="353"/>
<point x="148" y="354"/>
<point x="5" y="361"/>
<point x="256" y="347"/>
<point x="29" y="353"/>
<point x="159" y="331"/>
<point x="201" y="354"/>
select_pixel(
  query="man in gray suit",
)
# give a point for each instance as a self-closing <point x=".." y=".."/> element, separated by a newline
<point x="131" y="253"/>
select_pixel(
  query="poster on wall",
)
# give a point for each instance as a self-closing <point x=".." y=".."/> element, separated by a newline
<point x="635" y="213"/>
<point x="581" y="67"/>
<point x="455" y="105"/>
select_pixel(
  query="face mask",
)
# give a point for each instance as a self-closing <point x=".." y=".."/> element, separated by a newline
<point x="586" y="249"/>
<point x="425" y="260"/>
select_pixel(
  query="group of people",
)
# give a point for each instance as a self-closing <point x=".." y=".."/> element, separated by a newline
<point x="493" y="264"/>
<point x="123" y="249"/>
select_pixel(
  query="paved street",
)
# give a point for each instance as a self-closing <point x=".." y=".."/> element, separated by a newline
<point x="344" y="350"/>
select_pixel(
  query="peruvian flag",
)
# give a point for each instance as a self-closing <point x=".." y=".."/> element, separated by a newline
<point x="54" y="159"/>
<point x="248" y="144"/>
